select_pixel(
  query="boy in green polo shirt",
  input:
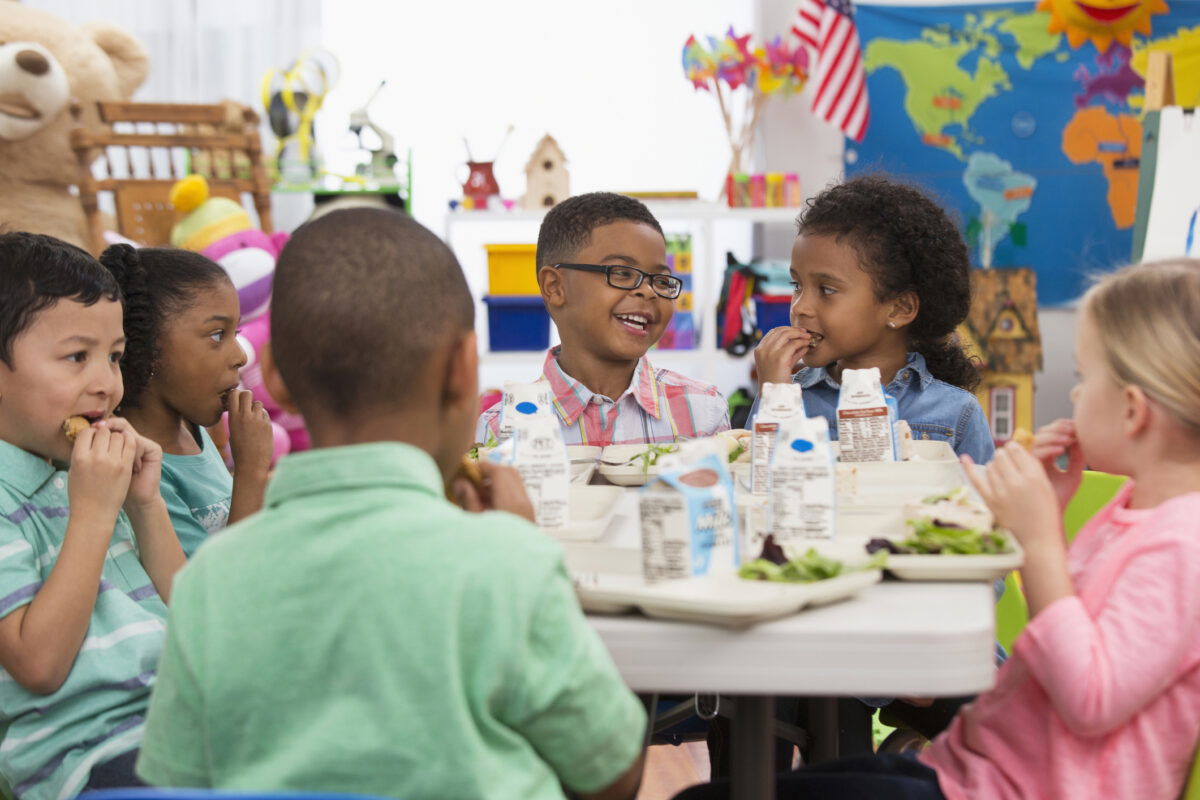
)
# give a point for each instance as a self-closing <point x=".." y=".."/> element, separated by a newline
<point x="86" y="554"/>
<point x="360" y="633"/>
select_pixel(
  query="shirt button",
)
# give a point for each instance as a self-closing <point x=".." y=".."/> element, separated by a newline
<point x="59" y="483"/>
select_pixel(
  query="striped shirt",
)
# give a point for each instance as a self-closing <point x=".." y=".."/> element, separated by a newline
<point x="51" y="742"/>
<point x="658" y="406"/>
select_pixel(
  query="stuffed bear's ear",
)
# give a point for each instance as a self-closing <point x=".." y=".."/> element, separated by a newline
<point x="129" y="58"/>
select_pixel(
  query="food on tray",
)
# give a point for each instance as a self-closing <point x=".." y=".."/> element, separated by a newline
<point x="646" y="458"/>
<point x="1023" y="438"/>
<point x="737" y="443"/>
<point x="948" y="524"/>
<point x="774" y="565"/>
<point x="73" y="426"/>
<point x="481" y="449"/>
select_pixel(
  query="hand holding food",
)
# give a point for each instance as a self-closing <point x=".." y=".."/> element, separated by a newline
<point x="1051" y="442"/>
<point x="777" y="356"/>
<point x="496" y="488"/>
<point x="1018" y="490"/>
<point x="101" y="469"/>
<point x="73" y="426"/>
<point x="251" y="439"/>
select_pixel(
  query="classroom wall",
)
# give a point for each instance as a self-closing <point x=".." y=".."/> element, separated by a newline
<point x="794" y="140"/>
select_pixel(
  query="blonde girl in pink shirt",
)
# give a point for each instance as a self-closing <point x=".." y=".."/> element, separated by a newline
<point x="1101" y="697"/>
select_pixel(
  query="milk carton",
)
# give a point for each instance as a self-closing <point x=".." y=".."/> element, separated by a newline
<point x="535" y="448"/>
<point x="689" y="522"/>
<point x="778" y="403"/>
<point x="803" y="481"/>
<point x="515" y="393"/>
<point x="866" y="429"/>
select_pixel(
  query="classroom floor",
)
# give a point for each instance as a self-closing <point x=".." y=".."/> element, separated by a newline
<point x="670" y="769"/>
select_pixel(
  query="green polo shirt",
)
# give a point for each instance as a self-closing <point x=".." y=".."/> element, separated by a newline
<point x="197" y="490"/>
<point x="361" y="634"/>
<point x="51" y="742"/>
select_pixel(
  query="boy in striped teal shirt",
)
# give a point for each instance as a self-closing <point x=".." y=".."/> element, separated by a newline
<point x="87" y="552"/>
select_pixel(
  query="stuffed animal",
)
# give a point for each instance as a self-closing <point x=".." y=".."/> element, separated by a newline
<point x="221" y="229"/>
<point x="45" y="62"/>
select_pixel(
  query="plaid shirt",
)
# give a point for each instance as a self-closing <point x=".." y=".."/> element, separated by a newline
<point x="659" y="406"/>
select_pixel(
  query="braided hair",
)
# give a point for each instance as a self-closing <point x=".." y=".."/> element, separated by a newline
<point x="905" y="242"/>
<point x="157" y="283"/>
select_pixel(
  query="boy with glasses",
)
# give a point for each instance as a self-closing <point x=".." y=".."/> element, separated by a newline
<point x="602" y="269"/>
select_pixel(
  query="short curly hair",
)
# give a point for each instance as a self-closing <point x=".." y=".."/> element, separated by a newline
<point x="906" y="242"/>
<point x="157" y="283"/>
<point x="568" y="226"/>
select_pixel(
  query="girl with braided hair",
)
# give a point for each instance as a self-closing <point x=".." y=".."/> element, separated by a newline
<point x="180" y="370"/>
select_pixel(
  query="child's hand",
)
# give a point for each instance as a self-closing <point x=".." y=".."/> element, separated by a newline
<point x="1051" y="442"/>
<point x="778" y="355"/>
<point x="251" y="441"/>
<point x="502" y="491"/>
<point x="147" y="464"/>
<point x="1018" y="491"/>
<point x="100" y="473"/>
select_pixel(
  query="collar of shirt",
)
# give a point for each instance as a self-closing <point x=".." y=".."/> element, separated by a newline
<point x="22" y="471"/>
<point x="360" y="466"/>
<point x="571" y="398"/>
<point x="914" y="369"/>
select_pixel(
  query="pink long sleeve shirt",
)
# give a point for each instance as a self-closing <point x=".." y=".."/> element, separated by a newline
<point x="1101" y="697"/>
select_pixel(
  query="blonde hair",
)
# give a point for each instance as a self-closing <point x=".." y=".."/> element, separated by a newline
<point x="1147" y="319"/>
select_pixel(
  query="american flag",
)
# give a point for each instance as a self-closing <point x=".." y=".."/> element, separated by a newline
<point x="827" y="27"/>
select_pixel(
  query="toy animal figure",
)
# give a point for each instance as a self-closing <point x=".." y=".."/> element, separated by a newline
<point x="44" y="62"/>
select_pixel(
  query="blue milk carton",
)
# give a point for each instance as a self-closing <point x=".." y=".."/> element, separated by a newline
<point x="689" y="520"/>
<point x="803" y="480"/>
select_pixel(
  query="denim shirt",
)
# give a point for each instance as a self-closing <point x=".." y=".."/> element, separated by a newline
<point x="933" y="409"/>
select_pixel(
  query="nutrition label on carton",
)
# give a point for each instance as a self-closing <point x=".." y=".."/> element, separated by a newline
<point x="542" y="482"/>
<point x="666" y="545"/>
<point x="804" y="503"/>
<point x="761" y="444"/>
<point x="864" y="434"/>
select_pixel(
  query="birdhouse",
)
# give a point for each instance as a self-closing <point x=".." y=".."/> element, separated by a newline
<point x="546" y="179"/>
<point x="1002" y="331"/>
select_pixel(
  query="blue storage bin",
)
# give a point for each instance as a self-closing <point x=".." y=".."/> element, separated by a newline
<point x="517" y="322"/>
<point x="772" y="311"/>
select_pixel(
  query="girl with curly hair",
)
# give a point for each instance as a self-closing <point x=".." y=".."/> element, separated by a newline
<point x="180" y="370"/>
<point x="881" y="279"/>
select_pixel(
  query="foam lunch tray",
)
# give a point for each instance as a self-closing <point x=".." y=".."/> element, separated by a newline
<point x="724" y="600"/>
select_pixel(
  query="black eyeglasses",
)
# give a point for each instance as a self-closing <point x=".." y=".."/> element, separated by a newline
<point x="621" y="277"/>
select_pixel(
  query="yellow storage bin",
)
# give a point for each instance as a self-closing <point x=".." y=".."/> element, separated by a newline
<point x="512" y="269"/>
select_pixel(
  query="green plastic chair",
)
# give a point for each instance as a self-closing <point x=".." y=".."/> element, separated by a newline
<point x="1095" y="490"/>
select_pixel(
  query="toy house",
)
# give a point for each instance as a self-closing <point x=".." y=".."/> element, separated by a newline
<point x="1002" y="331"/>
<point x="546" y="179"/>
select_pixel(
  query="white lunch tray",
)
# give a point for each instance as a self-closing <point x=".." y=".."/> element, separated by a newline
<point x="725" y="600"/>
<point x="590" y="509"/>
<point x="851" y="549"/>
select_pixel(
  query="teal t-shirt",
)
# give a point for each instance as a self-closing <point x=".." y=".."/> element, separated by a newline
<point x="361" y="634"/>
<point x="51" y="742"/>
<point x="197" y="490"/>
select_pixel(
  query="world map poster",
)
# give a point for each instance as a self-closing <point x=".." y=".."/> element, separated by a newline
<point x="1033" y="142"/>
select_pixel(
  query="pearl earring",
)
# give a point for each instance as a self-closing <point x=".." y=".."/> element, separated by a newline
<point x="891" y="324"/>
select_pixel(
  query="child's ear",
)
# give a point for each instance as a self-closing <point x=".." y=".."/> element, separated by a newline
<point x="274" y="381"/>
<point x="1137" y="410"/>
<point x="905" y="307"/>
<point x="462" y="373"/>
<point x="550" y="280"/>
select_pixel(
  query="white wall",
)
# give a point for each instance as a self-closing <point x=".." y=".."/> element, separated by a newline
<point x="604" y="79"/>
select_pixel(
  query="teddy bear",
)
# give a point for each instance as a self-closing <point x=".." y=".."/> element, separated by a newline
<point x="45" y="63"/>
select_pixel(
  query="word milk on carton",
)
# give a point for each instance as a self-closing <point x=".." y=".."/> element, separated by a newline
<point x="866" y="420"/>
<point x="536" y="449"/>
<point x="515" y="393"/>
<point x="689" y="521"/>
<point x="803" y="480"/>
